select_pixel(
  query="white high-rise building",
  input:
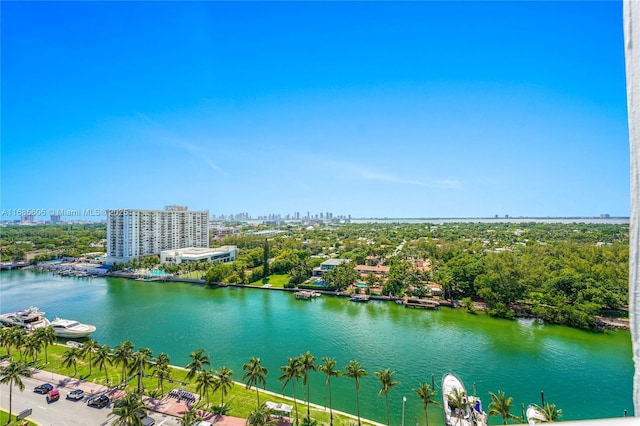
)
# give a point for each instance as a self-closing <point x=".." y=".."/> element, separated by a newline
<point x="133" y="233"/>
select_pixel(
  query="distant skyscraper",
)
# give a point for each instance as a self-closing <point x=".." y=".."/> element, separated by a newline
<point x="134" y="233"/>
<point x="55" y="218"/>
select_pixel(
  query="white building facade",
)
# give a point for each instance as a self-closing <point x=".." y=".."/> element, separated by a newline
<point x="133" y="233"/>
<point x="199" y="254"/>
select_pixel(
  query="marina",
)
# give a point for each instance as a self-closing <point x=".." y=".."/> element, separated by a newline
<point x="233" y="324"/>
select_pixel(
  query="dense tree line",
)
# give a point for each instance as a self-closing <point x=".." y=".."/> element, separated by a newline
<point x="59" y="240"/>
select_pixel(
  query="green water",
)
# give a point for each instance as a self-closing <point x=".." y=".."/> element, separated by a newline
<point x="587" y="375"/>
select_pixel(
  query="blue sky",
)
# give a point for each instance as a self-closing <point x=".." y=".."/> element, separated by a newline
<point x="374" y="109"/>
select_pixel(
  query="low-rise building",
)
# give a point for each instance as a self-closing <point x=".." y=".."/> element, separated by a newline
<point x="327" y="265"/>
<point x="199" y="254"/>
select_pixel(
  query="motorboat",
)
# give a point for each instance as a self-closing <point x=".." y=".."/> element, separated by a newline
<point x="28" y="319"/>
<point x="535" y="416"/>
<point x="359" y="298"/>
<point x="71" y="329"/>
<point x="468" y="411"/>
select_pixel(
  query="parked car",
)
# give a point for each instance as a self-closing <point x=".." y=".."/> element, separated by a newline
<point x="98" y="401"/>
<point x="44" y="388"/>
<point x="76" y="394"/>
<point x="147" y="421"/>
<point x="53" y="395"/>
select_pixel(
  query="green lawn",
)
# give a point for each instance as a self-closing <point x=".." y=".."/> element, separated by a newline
<point x="4" y="416"/>
<point x="240" y="400"/>
<point x="275" y="280"/>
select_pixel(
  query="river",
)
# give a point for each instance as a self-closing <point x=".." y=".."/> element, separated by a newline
<point x="587" y="375"/>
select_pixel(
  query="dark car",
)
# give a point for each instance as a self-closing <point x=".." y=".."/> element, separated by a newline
<point x="76" y="394"/>
<point x="44" y="388"/>
<point x="98" y="401"/>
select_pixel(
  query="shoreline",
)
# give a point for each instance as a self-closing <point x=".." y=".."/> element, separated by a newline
<point x="603" y="322"/>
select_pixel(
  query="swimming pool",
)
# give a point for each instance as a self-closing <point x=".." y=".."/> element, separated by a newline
<point x="361" y="285"/>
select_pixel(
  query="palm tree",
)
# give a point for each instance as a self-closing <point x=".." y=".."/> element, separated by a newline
<point x="261" y="416"/>
<point x="386" y="383"/>
<point x="12" y="374"/>
<point x="255" y="375"/>
<point x="89" y="348"/>
<point x="71" y="358"/>
<point x="500" y="405"/>
<point x="139" y="361"/>
<point x="224" y="382"/>
<point x="328" y="368"/>
<point x="205" y="381"/>
<point x="198" y="360"/>
<point x="190" y="418"/>
<point x="123" y="355"/>
<point x="47" y="336"/>
<point x="550" y="412"/>
<point x="103" y="358"/>
<point x="458" y="401"/>
<point x="291" y="373"/>
<point x="130" y="410"/>
<point x="162" y="370"/>
<point x="18" y="338"/>
<point x="356" y="371"/>
<point x="307" y="364"/>
<point x="428" y="397"/>
<point x="6" y="338"/>
<point x="32" y="345"/>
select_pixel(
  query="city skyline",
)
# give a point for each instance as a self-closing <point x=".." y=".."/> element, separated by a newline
<point x="400" y="110"/>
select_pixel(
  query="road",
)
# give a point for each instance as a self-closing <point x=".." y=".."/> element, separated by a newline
<point x="64" y="412"/>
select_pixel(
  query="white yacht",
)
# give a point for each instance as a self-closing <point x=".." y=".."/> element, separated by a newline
<point x="471" y="414"/>
<point x="28" y="319"/>
<point x="535" y="415"/>
<point x="71" y="329"/>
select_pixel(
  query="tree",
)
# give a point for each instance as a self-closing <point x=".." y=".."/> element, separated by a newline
<point x="190" y="418"/>
<point x="12" y="374"/>
<point x="255" y="374"/>
<point x="307" y="364"/>
<point x="265" y="259"/>
<point x="130" y="410"/>
<point x="428" y="397"/>
<point x="123" y="355"/>
<point x="356" y="371"/>
<point x="139" y="361"/>
<point x="162" y="370"/>
<point x="47" y="336"/>
<point x="205" y="381"/>
<point x="32" y="345"/>
<point x="291" y="373"/>
<point x="225" y="382"/>
<point x="328" y="368"/>
<point x="459" y="402"/>
<point x="103" y="358"/>
<point x="261" y="416"/>
<point x="386" y="383"/>
<point x="550" y="412"/>
<point x="198" y="360"/>
<point x="88" y="349"/>
<point x="500" y="405"/>
<point x="70" y="358"/>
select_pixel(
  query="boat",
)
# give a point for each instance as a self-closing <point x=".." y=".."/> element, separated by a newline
<point x="359" y="298"/>
<point x="534" y="415"/>
<point x="471" y="415"/>
<point x="71" y="329"/>
<point x="414" y="302"/>
<point x="306" y="294"/>
<point x="28" y="319"/>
